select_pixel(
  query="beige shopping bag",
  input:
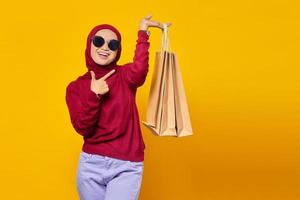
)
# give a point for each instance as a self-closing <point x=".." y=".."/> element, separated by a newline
<point x="167" y="112"/>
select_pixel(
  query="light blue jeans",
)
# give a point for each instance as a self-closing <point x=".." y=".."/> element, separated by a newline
<point x="105" y="178"/>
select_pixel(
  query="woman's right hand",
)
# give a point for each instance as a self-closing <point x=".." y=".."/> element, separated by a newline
<point x="100" y="86"/>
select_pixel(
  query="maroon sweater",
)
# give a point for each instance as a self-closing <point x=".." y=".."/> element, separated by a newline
<point x="110" y="126"/>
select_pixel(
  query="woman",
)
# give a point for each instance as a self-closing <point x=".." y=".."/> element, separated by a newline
<point x="102" y="109"/>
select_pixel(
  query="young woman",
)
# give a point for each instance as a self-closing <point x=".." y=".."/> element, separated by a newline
<point x="103" y="110"/>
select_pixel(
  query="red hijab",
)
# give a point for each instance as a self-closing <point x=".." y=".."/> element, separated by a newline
<point x="100" y="70"/>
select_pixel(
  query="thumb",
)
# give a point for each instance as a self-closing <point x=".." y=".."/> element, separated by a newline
<point x="148" y="17"/>
<point x="93" y="75"/>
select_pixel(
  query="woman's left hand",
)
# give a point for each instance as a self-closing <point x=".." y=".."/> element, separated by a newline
<point x="146" y="22"/>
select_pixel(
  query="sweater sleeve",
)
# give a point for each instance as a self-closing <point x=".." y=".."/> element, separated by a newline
<point x="136" y="72"/>
<point x="83" y="114"/>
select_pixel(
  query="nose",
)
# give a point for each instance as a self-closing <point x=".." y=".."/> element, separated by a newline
<point x="105" y="46"/>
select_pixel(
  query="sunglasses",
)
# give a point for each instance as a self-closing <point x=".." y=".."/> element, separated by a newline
<point x="99" y="41"/>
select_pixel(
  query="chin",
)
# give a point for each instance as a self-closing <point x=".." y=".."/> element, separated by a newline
<point x="103" y="62"/>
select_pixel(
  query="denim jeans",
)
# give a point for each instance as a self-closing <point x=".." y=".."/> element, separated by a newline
<point x="105" y="178"/>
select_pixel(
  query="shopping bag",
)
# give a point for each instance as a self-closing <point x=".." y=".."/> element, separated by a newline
<point x="167" y="112"/>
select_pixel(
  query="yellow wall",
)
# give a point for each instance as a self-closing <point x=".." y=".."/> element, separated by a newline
<point x="240" y="65"/>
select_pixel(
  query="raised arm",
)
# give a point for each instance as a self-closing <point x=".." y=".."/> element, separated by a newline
<point x="136" y="72"/>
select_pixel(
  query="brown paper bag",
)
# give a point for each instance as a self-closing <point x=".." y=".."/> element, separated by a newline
<point x="167" y="113"/>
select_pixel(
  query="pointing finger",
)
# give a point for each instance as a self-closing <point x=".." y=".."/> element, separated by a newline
<point x="108" y="74"/>
<point x="148" y="17"/>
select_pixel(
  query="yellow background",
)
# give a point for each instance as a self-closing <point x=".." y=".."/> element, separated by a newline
<point x="240" y="65"/>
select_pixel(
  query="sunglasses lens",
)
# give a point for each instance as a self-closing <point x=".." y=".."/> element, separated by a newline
<point x="113" y="45"/>
<point x="98" y="41"/>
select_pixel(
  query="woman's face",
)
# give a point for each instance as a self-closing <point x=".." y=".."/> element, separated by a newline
<point x="103" y="55"/>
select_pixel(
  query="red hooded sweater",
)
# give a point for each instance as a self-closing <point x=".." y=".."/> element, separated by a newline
<point x="110" y="126"/>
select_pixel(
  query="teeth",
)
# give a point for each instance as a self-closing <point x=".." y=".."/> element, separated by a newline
<point x="104" y="54"/>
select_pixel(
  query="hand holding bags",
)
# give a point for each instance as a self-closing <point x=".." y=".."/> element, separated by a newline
<point x="167" y="113"/>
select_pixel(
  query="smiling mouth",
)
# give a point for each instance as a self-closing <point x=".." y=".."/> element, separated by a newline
<point x="103" y="55"/>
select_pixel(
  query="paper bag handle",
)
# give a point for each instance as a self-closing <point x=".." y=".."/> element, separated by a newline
<point x="165" y="46"/>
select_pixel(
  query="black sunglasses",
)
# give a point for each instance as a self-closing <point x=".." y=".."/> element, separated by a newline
<point x="99" y="41"/>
